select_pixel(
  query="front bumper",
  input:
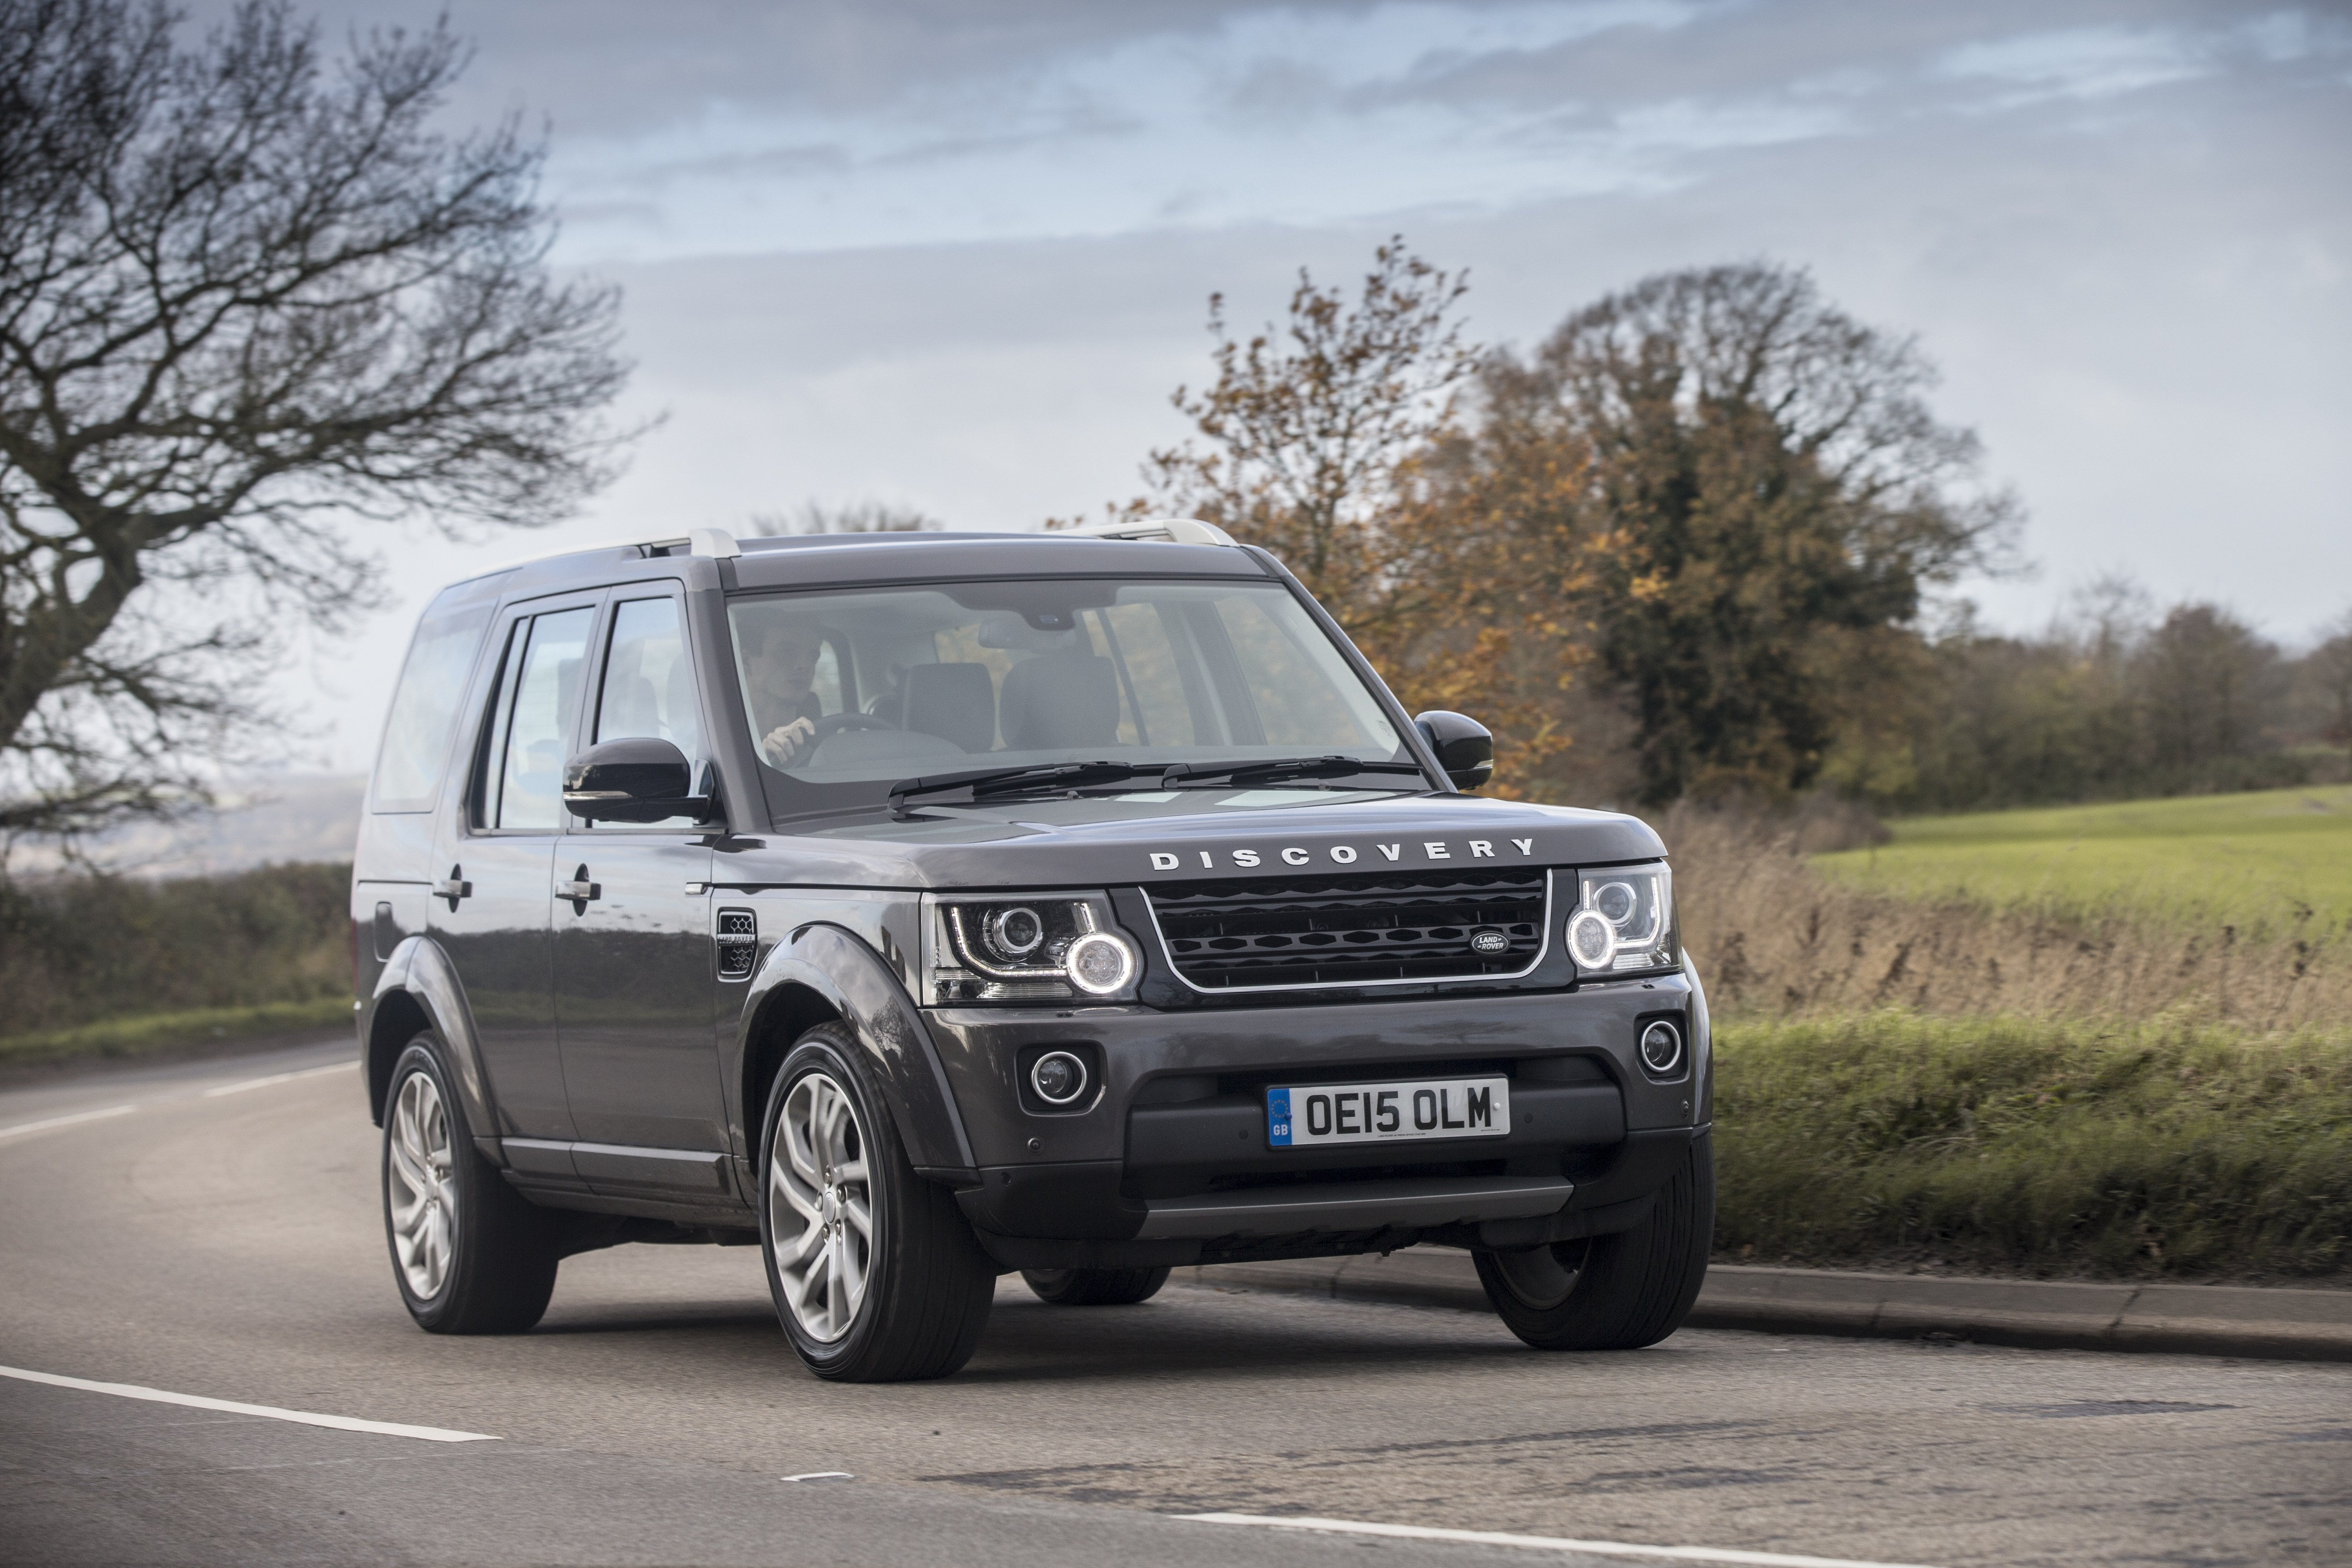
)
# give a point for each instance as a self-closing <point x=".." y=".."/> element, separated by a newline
<point x="1168" y="1161"/>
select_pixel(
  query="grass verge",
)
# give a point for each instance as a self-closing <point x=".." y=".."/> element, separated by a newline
<point x="1775" y="935"/>
<point x="2269" y="862"/>
<point x="2032" y="1145"/>
<point x="152" y="1034"/>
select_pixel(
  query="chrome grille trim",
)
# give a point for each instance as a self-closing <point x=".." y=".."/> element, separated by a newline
<point x="1369" y="882"/>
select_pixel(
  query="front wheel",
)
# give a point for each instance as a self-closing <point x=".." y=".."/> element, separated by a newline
<point x="1612" y="1292"/>
<point x="470" y="1254"/>
<point x="1095" y="1287"/>
<point x="877" y="1275"/>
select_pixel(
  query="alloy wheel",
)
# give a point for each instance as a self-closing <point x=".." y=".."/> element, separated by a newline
<point x="419" y="1186"/>
<point x="820" y="1207"/>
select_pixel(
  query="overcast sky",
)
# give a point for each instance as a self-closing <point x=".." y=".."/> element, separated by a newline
<point x="955" y="253"/>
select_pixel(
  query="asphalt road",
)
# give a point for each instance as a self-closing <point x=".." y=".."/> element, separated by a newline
<point x="228" y="1246"/>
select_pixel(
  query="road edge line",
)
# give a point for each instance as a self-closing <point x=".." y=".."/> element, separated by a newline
<point x="45" y="1124"/>
<point x="231" y="1407"/>
<point x="1539" y="1543"/>
<point x="243" y="1084"/>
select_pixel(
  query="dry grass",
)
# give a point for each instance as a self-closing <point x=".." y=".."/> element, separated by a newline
<point x="1773" y="939"/>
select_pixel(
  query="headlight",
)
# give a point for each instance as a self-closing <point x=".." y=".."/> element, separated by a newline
<point x="1624" y="921"/>
<point x="1052" y="948"/>
<point x="1100" y="964"/>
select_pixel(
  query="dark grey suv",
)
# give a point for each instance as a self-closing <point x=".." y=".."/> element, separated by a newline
<point x="924" y="908"/>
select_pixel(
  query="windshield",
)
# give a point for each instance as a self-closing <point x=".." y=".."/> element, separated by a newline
<point x="849" y="691"/>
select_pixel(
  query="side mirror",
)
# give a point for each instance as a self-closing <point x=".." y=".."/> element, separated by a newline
<point x="639" y="779"/>
<point x="1464" y="747"/>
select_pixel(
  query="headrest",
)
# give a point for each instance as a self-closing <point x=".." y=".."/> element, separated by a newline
<point x="954" y="701"/>
<point x="1056" y="701"/>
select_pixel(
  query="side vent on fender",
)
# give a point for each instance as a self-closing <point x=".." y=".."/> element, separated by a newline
<point x="739" y="943"/>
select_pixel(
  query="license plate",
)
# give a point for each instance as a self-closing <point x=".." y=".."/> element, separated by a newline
<point x="1315" y="1115"/>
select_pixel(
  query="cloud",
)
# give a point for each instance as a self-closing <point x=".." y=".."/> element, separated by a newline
<point x="954" y="253"/>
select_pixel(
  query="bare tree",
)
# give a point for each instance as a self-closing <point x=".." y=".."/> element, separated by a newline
<point x="2207" y="681"/>
<point x="2326" y="675"/>
<point x="857" y="517"/>
<point x="246" y="297"/>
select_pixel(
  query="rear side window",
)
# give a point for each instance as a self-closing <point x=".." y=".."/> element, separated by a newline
<point x="424" y="716"/>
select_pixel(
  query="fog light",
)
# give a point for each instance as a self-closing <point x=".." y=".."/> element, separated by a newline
<point x="1099" y="962"/>
<point x="1661" y="1047"/>
<point x="1058" y="1077"/>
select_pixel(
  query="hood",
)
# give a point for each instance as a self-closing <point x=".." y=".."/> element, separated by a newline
<point x="1151" y="836"/>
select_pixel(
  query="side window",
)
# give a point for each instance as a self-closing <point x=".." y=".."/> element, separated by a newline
<point x="425" y="709"/>
<point x="538" y="710"/>
<point x="648" y="688"/>
<point x="649" y="680"/>
<point x="826" y="681"/>
<point x="1296" y="701"/>
<point x="1154" y="707"/>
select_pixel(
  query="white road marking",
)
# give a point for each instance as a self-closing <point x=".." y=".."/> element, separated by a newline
<point x="1543" y="1542"/>
<point x="24" y="1127"/>
<point x="821" y="1476"/>
<point x="214" y="1093"/>
<point x="198" y="1402"/>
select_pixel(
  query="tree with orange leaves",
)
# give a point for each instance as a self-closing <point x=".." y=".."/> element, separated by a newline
<point x="1333" y="441"/>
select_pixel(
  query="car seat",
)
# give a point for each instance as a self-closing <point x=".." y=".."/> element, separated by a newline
<point x="954" y="701"/>
<point x="1054" y="702"/>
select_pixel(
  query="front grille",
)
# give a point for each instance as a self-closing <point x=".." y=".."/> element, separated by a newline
<point x="1349" y="929"/>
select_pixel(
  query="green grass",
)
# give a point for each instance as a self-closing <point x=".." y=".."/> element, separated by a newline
<point x="2271" y="861"/>
<point x="2034" y="1146"/>
<point x="154" y="1033"/>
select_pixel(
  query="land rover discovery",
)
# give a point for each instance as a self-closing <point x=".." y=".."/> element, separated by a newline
<point x="921" y="909"/>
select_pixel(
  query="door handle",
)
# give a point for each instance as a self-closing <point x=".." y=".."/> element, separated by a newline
<point x="453" y="887"/>
<point x="580" y="890"/>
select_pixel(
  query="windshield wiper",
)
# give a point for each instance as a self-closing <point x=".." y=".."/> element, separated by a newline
<point x="985" y="782"/>
<point x="1272" y="769"/>
<point x="1002" y="781"/>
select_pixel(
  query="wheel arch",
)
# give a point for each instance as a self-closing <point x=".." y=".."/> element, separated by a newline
<point x="419" y="990"/>
<point x="822" y="973"/>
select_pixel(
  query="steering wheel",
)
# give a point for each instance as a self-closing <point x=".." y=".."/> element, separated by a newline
<point x="834" y="723"/>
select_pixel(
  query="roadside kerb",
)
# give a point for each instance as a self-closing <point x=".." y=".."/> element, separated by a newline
<point x="2195" y="1320"/>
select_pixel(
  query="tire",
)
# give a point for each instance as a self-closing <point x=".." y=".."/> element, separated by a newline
<point x="1612" y="1292"/>
<point x="1095" y="1287"/>
<point x="471" y="1255"/>
<point x="876" y="1273"/>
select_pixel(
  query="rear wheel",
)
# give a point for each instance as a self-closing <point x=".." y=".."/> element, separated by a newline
<point x="471" y="1256"/>
<point x="1095" y="1287"/>
<point x="1612" y="1292"/>
<point x="877" y="1275"/>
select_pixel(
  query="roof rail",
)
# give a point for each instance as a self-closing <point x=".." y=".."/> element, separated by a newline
<point x="1174" y="530"/>
<point x="715" y="543"/>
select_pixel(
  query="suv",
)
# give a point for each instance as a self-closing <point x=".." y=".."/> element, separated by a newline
<point x="924" y="908"/>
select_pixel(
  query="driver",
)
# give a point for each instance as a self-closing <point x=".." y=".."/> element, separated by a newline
<point x="785" y="710"/>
